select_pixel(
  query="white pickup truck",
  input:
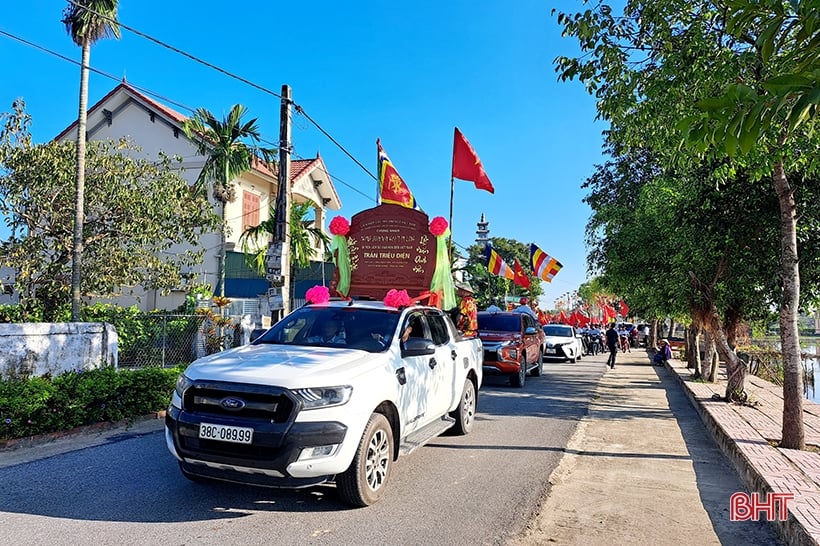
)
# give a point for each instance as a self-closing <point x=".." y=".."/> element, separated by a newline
<point x="331" y="392"/>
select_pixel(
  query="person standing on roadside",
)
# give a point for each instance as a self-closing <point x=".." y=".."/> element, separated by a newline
<point x="612" y="344"/>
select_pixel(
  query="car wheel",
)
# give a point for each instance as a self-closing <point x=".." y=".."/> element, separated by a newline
<point x="365" y="480"/>
<point x="539" y="365"/>
<point x="517" y="380"/>
<point x="465" y="413"/>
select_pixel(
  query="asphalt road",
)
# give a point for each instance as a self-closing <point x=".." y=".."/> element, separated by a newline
<point x="478" y="489"/>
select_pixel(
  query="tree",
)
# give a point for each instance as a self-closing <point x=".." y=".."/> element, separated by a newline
<point x="303" y="234"/>
<point x="86" y="21"/>
<point x="136" y="211"/>
<point x="659" y="66"/>
<point x="228" y="156"/>
<point x="761" y="116"/>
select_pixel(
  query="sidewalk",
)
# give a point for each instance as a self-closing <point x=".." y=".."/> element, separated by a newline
<point x="642" y="468"/>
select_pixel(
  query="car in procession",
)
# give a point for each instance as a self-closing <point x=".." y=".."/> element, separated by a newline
<point x="331" y="393"/>
<point x="562" y="342"/>
<point x="513" y="345"/>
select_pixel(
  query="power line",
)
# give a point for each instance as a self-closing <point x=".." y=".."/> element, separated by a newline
<point x="226" y="73"/>
<point x="160" y="97"/>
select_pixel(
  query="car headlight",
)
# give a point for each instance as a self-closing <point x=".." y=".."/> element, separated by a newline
<point x="509" y="353"/>
<point x="182" y="384"/>
<point x="323" y="397"/>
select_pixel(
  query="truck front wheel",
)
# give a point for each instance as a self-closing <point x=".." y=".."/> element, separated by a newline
<point x="365" y="480"/>
<point x="518" y="379"/>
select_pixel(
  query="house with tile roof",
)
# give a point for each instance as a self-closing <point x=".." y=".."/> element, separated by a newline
<point x="127" y="112"/>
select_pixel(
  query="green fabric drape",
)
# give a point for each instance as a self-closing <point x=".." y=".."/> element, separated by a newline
<point x="341" y="255"/>
<point x="442" y="282"/>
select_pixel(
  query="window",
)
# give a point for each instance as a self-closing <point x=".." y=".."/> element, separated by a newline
<point x="250" y="209"/>
<point x="438" y="329"/>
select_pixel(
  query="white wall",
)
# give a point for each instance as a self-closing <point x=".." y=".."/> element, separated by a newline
<point x="39" y="348"/>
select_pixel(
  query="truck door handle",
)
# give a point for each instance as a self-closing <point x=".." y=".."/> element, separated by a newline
<point x="433" y="363"/>
<point x="454" y="354"/>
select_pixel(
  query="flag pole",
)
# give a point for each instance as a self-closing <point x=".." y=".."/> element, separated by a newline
<point x="452" y="192"/>
<point x="378" y="174"/>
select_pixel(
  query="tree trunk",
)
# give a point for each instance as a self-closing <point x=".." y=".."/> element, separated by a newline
<point x="710" y="357"/>
<point x="653" y="334"/>
<point x="79" y="186"/>
<point x="692" y="352"/>
<point x="793" y="431"/>
<point x="736" y="369"/>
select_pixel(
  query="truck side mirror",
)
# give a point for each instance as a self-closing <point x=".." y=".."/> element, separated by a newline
<point x="418" y="347"/>
<point x="530" y="330"/>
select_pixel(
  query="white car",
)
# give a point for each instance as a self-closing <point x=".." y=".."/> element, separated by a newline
<point x="563" y="341"/>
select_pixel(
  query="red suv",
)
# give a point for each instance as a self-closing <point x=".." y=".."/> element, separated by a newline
<point x="513" y="345"/>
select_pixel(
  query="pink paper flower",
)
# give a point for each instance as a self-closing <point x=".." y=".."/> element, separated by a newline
<point x="318" y="294"/>
<point x="397" y="298"/>
<point x="438" y="226"/>
<point x="339" y="226"/>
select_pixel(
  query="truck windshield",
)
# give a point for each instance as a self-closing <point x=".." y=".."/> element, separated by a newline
<point x="341" y="327"/>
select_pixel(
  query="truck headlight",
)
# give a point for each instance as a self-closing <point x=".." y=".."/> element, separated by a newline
<point x="182" y="384"/>
<point x="509" y="353"/>
<point x="323" y="397"/>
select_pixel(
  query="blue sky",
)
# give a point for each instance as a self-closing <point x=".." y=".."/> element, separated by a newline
<point x="404" y="72"/>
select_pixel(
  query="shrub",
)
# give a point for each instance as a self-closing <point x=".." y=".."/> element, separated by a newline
<point x="42" y="404"/>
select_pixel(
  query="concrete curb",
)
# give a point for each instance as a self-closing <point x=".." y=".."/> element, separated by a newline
<point x="762" y="467"/>
<point x="96" y="428"/>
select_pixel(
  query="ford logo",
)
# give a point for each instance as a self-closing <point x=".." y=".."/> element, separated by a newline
<point x="234" y="404"/>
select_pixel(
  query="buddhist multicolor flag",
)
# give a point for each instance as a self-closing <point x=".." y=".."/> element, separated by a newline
<point x="521" y="278"/>
<point x="467" y="166"/>
<point x="392" y="189"/>
<point x="496" y="264"/>
<point x="544" y="266"/>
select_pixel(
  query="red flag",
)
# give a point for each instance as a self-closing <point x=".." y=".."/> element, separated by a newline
<point x="392" y="189"/>
<point x="561" y="318"/>
<point x="521" y="278"/>
<point x="609" y="313"/>
<point x="467" y="166"/>
<point x="624" y="309"/>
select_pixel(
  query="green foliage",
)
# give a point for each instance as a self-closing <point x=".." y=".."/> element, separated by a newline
<point x="135" y="211"/>
<point x="303" y="233"/>
<point x="41" y="404"/>
<point x="91" y="20"/>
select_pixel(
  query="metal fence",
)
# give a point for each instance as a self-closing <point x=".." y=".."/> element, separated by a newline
<point x="170" y="340"/>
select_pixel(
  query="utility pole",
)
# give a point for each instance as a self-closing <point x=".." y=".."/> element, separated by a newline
<point x="279" y="251"/>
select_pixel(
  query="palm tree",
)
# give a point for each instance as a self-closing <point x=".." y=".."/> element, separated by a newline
<point x="86" y="21"/>
<point x="302" y="236"/>
<point x="228" y="156"/>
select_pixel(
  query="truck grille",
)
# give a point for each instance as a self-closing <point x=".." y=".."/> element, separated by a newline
<point x="252" y="402"/>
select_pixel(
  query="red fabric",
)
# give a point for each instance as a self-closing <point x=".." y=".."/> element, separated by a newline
<point x="561" y="318"/>
<point x="521" y="278"/>
<point x="624" y="309"/>
<point x="609" y="313"/>
<point x="467" y="166"/>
